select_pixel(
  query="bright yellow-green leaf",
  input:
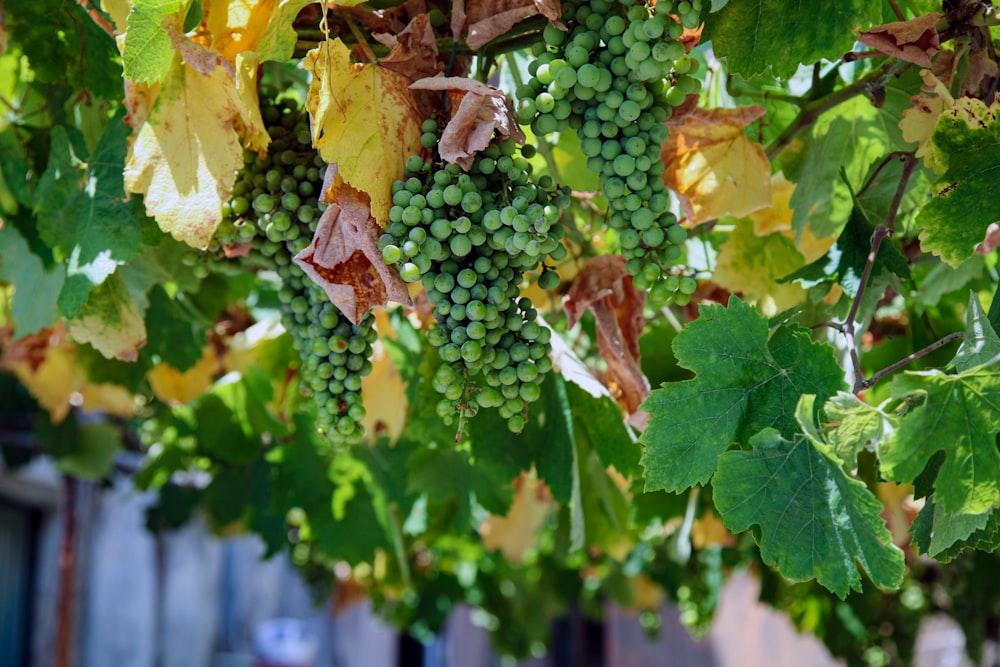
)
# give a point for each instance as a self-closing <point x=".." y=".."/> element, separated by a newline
<point x="185" y="157"/>
<point x="364" y="119"/>
<point x="110" y="321"/>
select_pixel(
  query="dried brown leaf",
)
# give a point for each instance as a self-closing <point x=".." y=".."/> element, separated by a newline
<point x="915" y="41"/>
<point x="605" y="287"/>
<point x="481" y="110"/>
<point x="414" y="51"/>
<point x="485" y="20"/>
<point x="344" y="258"/>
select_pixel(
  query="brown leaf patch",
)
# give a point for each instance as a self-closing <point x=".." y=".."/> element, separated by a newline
<point x="485" y="20"/>
<point x="915" y="41"/>
<point x="480" y="111"/>
<point x="605" y="287"/>
<point x="344" y="258"/>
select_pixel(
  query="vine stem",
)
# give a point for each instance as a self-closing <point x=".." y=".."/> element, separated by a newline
<point x="901" y="155"/>
<point x="812" y="110"/>
<point x="916" y="355"/>
<point x="67" y="568"/>
<point x="882" y="231"/>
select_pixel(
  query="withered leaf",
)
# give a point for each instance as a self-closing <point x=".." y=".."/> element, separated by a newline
<point x="481" y="110"/>
<point x="344" y="258"/>
<point x="484" y="20"/>
<point x="414" y="51"/>
<point x="605" y="287"/>
<point x="915" y="41"/>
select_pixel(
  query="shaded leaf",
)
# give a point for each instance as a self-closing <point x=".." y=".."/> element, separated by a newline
<point x="482" y="111"/>
<point x="746" y="381"/>
<point x="815" y="520"/>
<point x="344" y="258"/>
<point x="940" y="534"/>
<point x="94" y="454"/>
<point x="414" y="51"/>
<point x="714" y="167"/>
<point x="173" y="334"/>
<point x="364" y="119"/>
<point x="605" y="288"/>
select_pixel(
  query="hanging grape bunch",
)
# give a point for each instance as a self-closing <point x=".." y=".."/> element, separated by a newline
<point x="470" y="238"/>
<point x="614" y="77"/>
<point x="275" y="207"/>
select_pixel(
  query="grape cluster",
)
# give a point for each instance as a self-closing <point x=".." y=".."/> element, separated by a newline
<point x="469" y="238"/>
<point x="275" y="207"/>
<point x="614" y="77"/>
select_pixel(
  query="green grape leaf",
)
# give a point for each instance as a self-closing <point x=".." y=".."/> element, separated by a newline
<point x="601" y="420"/>
<point x="781" y="34"/>
<point x="173" y="334"/>
<point x="148" y="53"/>
<point x="941" y="534"/>
<point x="944" y="279"/>
<point x="959" y="415"/>
<point x="856" y="425"/>
<point x="814" y="519"/>
<point x="745" y="381"/>
<point x="35" y="287"/>
<point x="981" y="344"/>
<point x="954" y="222"/>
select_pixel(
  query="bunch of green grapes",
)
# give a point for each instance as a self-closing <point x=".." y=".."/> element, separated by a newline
<point x="469" y="238"/>
<point x="614" y="77"/>
<point x="275" y="208"/>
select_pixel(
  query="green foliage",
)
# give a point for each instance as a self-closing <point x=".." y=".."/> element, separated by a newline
<point x="655" y="418"/>
<point x="747" y="379"/>
<point x="777" y="35"/>
<point x="815" y="520"/>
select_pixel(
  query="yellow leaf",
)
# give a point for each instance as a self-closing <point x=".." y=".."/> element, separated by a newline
<point x="646" y="593"/>
<point x="364" y="118"/>
<point x="384" y="395"/>
<point x="709" y="531"/>
<point x="751" y="265"/>
<point x="713" y="165"/>
<point x="778" y="218"/>
<point x="185" y="156"/>
<point x="118" y="10"/>
<point x="174" y="387"/>
<point x="251" y="127"/>
<point x="237" y="25"/>
<point x="517" y="532"/>
<point x="918" y="121"/>
<point x="45" y="363"/>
